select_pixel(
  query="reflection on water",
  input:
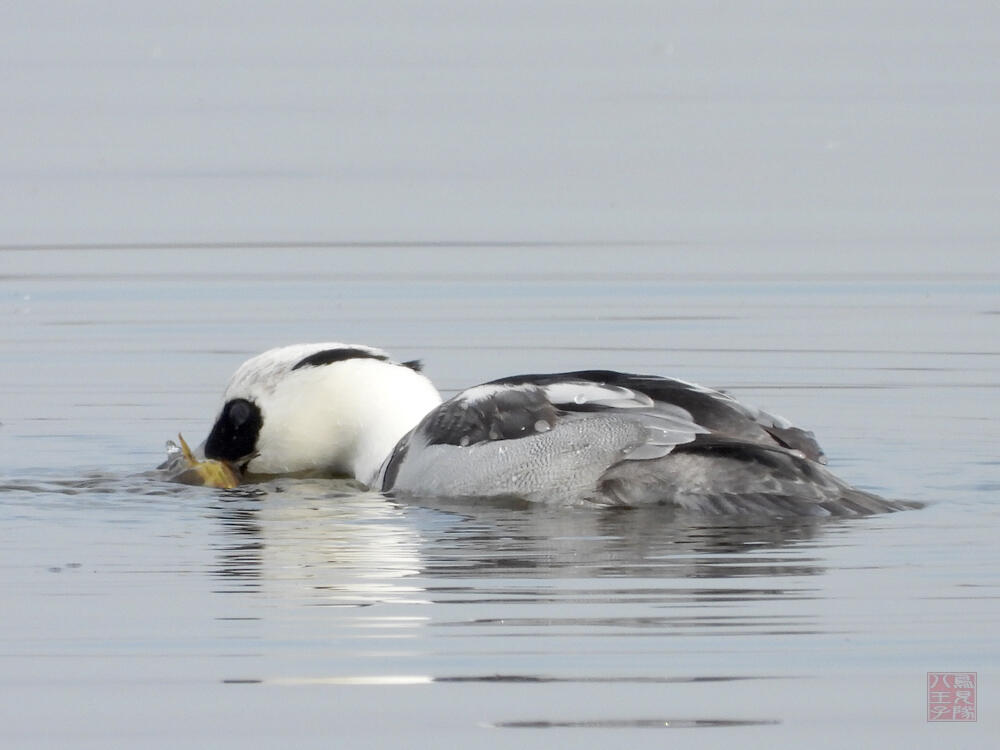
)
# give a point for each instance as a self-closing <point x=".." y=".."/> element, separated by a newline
<point x="311" y="526"/>
<point x="342" y="548"/>
<point x="304" y="525"/>
<point x="242" y="559"/>
<point x="481" y="577"/>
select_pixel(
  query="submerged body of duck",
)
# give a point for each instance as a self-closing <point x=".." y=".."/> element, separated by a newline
<point x="596" y="437"/>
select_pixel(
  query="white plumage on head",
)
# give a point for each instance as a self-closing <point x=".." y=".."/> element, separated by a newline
<point x="326" y="407"/>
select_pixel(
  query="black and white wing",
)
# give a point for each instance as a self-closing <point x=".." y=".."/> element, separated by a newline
<point x="716" y="412"/>
<point x="508" y="410"/>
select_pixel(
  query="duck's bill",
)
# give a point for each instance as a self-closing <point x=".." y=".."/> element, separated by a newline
<point x="182" y="466"/>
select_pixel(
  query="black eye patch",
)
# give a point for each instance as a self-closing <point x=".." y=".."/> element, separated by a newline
<point x="234" y="434"/>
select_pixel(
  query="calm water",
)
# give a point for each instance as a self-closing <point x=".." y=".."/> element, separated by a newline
<point x="797" y="202"/>
<point x="299" y="610"/>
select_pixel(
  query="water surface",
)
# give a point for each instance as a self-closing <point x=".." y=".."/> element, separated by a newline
<point x="303" y="610"/>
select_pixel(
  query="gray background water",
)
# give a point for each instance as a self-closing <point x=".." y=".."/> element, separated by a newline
<point x="795" y="203"/>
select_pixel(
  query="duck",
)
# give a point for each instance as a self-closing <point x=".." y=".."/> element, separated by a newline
<point x="587" y="437"/>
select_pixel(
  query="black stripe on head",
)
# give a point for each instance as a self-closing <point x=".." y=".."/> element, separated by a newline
<point x="234" y="434"/>
<point x="329" y="356"/>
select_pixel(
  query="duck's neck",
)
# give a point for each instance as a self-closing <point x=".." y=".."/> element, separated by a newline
<point x="387" y="402"/>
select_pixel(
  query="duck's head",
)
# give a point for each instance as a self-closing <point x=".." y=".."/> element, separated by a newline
<point x="326" y="408"/>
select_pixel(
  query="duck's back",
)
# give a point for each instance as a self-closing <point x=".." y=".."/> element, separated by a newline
<point x="611" y="438"/>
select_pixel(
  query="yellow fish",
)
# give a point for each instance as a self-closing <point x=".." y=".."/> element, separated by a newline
<point x="210" y="473"/>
